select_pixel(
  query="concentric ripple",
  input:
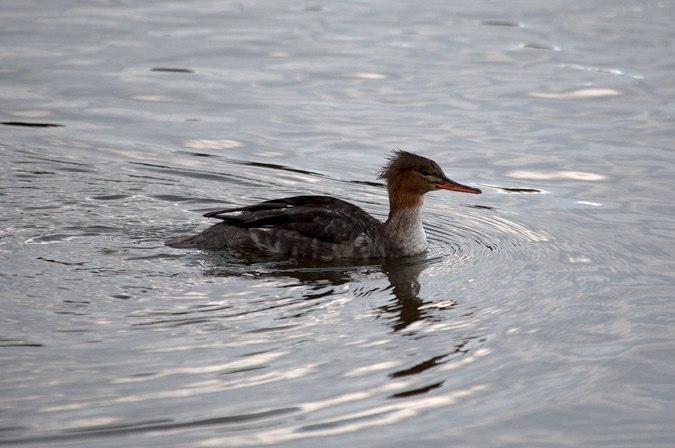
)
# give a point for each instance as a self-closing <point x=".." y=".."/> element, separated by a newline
<point x="482" y="232"/>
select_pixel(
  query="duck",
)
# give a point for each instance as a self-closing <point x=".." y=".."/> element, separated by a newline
<point x="324" y="227"/>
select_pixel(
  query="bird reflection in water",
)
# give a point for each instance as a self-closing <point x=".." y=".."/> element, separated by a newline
<point x="321" y="279"/>
<point x="406" y="306"/>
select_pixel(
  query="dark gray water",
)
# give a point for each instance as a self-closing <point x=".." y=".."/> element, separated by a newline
<point x="542" y="315"/>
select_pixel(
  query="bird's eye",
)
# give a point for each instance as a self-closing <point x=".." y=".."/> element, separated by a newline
<point x="424" y="172"/>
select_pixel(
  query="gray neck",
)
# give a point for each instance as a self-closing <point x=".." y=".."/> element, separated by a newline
<point x="404" y="228"/>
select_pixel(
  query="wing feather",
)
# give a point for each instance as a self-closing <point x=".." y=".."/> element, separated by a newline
<point x="321" y="217"/>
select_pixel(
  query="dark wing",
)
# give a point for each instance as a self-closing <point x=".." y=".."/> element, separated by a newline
<point x="322" y="217"/>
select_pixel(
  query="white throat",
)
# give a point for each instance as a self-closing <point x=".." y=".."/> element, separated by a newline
<point x="404" y="227"/>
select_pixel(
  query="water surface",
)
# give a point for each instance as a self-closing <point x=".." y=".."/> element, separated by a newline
<point x="542" y="314"/>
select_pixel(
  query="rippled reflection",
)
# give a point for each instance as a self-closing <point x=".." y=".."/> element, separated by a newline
<point x="406" y="305"/>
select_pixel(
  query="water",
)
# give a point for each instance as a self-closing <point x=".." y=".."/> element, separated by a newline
<point x="542" y="315"/>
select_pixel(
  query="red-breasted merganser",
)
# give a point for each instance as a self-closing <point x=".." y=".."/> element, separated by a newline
<point x="325" y="227"/>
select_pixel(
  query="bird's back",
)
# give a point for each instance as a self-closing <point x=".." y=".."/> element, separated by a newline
<point x="304" y="226"/>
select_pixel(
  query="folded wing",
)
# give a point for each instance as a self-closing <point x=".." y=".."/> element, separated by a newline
<point x="324" y="218"/>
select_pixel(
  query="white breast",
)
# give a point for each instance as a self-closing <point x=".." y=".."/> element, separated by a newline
<point x="406" y="230"/>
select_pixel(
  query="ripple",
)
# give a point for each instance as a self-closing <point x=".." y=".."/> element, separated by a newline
<point x="507" y="23"/>
<point x="592" y="92"/>
<point x="172" y="70"/>
<point x="160" y="425"/>
<point x="483" y="232"/>
<point x="517" y="190"/>
<point x="539" y="46"/>
<point x="31" y="125"/>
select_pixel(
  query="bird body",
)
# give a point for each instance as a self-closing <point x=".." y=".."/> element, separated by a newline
<point x="325" y="227"/>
